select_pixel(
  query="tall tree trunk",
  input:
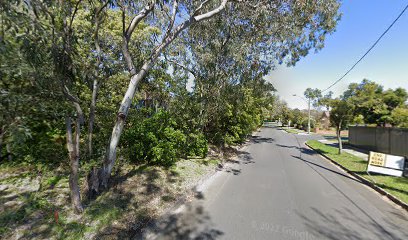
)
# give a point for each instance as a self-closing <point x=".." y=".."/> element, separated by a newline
<point x="73" y="150"/>
<point x="92" y="115"/>
<point x="1" y="142"/>
<point x="120" y="122"/>
<point x="100" y="177"/>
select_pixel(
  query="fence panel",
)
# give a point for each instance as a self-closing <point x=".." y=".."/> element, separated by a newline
<point x="386" y="140"/>
<point x="399" y="142"/>
<point x="382" y="140"/>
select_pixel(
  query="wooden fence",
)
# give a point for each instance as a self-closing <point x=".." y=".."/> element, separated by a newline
<point x="392" y="141"/>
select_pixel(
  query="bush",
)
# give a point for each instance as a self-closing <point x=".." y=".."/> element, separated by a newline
<point x="312" y="124"/>
<point x="157" y="140"/>
<point x="197" y="145"/>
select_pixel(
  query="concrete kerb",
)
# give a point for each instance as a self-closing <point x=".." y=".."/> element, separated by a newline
<point x="364" y="180"/>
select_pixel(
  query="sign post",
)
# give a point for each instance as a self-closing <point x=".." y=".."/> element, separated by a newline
<point x="386" y="164"/>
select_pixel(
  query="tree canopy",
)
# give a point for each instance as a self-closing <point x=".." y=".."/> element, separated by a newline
<point x="77" y="75"/>
<point x="375" y="105"/>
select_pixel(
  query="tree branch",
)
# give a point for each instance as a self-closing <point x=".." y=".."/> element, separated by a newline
<point x="74" y="101"/>
<point x="130" y="29"/>
<point x="193" y="19"/>
<point x="73" y="15"/>
<point x="172" y="19"/>
<point x="123" y="21"/>
<point x="138" y="18"/>
<point x="211" y="13"/>
<point x="101" y="8"/>
<point x="200" y="7"/>
<point x="194" y="73"/>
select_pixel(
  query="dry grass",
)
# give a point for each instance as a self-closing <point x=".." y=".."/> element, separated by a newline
<point x="137" y="195"/>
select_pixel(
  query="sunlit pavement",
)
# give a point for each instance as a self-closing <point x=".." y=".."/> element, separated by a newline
<point x="279" y="189"/>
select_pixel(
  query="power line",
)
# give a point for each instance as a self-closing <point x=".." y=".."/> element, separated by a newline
<point x="365" y="54"/>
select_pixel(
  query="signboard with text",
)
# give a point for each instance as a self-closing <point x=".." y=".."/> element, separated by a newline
<point x="386" y="164"/>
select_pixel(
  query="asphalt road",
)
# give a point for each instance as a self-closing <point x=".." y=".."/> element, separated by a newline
<point x="279" y="189"/>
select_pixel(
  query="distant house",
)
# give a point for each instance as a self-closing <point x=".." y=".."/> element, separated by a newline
<point x="325" y="120"/>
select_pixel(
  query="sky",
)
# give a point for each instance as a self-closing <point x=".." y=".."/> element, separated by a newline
<point x="362" y="22"/>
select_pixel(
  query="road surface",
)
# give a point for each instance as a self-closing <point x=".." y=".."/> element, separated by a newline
<point x="279" y="189"/>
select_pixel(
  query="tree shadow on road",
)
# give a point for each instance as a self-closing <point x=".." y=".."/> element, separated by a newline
<point x="325" y="168"/>
<point x="235" y="161"/>
<point x="193" y="222"/>
<point x="340" y="224"/>
<point x="286" y="146"/>
<point x="344" y="223"/>
<point x="259" y="139"/>
<point x="238" y="157"/>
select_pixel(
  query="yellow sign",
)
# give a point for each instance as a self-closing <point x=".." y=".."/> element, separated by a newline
<point x="377" y="159"/>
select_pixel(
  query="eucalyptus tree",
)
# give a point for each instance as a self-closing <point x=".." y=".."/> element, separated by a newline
<point x="226" y="48"/>
<point x="195" y="13"/>
<point x="222" y="72"/>
<point x="312" y="96"/>
<point x="324" y="101"/>
<point x="341" y="114"/>
<point x="43" y="44"/>
<point x="68" y="45"/>
<point x="311" y="20"/>
<point x="12" y="102"/>
<point x="98" y="31"/>
<point x="63" y="49"/>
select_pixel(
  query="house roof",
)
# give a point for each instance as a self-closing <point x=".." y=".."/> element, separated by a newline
<point x="325" y="114"/>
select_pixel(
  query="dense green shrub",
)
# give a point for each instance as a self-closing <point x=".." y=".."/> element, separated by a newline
<point x="156" y="139"/>
<point x="197" y="145"/>
<point x="312" y="123"/>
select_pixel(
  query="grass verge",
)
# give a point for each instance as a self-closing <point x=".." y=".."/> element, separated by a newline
<point x="396" y="186"/>
<point x="292" y="130"/>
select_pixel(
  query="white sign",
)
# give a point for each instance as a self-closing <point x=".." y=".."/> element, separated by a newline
<point x="386" y="164"/>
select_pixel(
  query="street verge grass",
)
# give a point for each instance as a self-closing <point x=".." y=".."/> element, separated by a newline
<point x="396" y="186"/>
<point x="292" y="130"/>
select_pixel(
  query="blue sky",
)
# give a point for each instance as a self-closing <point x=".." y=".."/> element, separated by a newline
<point x="363" y="21"/>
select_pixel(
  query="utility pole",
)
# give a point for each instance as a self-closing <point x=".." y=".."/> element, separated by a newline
<point x="308" y="110"/>
<point x="308" y="119"/>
